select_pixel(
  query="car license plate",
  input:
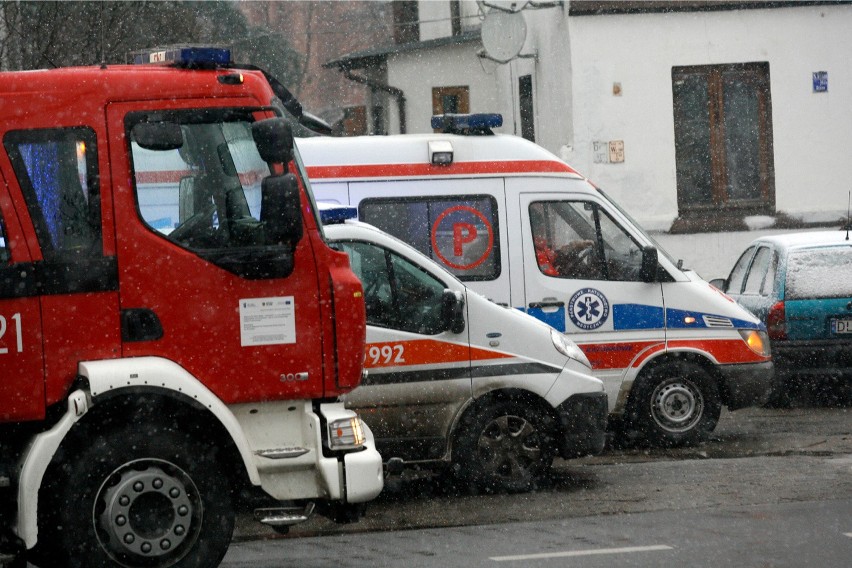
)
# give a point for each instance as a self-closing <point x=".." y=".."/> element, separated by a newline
<point x="841" y="326"/>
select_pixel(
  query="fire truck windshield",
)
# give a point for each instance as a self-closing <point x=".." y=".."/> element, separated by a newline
<point x="206" y="193"/>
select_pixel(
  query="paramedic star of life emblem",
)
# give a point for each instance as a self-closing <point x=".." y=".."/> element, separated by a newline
<point x="588" y="308"/>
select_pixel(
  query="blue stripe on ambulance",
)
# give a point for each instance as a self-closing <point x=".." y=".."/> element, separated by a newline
<point x="642" y="316"/>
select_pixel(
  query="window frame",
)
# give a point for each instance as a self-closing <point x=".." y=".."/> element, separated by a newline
<point x="430" y="202"/>
<point x="723" y="210"/>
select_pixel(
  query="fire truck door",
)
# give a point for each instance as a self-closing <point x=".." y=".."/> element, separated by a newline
<point x="190" y="243"/>
<point x="72" y="275"/>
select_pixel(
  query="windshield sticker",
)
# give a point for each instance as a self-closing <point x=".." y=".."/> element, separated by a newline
<point x="588" y="309"/>
<point x="267" y="321"/>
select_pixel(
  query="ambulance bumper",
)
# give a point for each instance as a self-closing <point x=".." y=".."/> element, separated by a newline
<point x="746" y="385"/>
<point x="583" y="417"/>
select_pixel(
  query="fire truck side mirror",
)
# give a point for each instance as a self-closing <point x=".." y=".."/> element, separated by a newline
<point x="274" y="139"/>
<point x="280" y="209"/>
<point x="158" y="136"/>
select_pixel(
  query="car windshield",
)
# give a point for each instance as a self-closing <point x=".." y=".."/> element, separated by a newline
<point x="819" y="273"/>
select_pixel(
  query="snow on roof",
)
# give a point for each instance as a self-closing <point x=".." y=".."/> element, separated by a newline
<point x="809" y="239"/>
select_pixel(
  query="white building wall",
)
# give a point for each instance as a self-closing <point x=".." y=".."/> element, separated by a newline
<point x="434" y="19"/>
<point x="449" y="66"/>
<point x="812" y="132"/>
<point x="579" y="59"/>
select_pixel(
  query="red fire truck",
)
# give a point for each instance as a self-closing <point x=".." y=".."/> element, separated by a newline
<point x="174" y="330"/>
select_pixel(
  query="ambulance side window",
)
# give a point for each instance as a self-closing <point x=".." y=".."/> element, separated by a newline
<point x="57" y="172"/>
<point x="398" y="294"/>
<point x="579" y="240"/>
<point x="461" y="233"/>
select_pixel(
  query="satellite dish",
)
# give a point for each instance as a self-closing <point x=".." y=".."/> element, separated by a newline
<point x="503" y="35"/>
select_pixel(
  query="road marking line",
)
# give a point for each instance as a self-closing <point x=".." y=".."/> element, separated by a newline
<point x="582" y="553"/>
<point x="848" y="534"/>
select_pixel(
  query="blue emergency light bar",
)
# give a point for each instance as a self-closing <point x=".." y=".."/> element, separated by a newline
<point x="480" y="123"/>
<point x="334" y="213"/>
<point x="185" y="56"/>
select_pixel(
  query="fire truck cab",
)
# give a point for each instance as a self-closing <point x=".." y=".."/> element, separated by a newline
<point x="174" y="330"/>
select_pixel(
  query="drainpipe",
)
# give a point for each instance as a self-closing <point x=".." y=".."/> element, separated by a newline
<point x="374" y="86"/>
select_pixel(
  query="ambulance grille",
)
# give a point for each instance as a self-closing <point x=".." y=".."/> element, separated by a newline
<point x="716" y="321"/>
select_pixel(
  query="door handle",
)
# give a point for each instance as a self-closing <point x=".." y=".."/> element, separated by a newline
<point x="548" y="304"/>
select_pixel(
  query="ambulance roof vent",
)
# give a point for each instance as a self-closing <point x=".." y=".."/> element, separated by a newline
<point x="468" y="124"/>
<point x="191" y="57"/>
<point x="335" y="213"/>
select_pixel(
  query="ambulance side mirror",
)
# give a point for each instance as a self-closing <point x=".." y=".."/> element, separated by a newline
<point x="452" y="311"/>
<point x="648" y="270"/>
<point x="720" y="283"/>
<point x="158" y="136"/>
<point x="274" y="139"/>
<point x="281" y="209"/>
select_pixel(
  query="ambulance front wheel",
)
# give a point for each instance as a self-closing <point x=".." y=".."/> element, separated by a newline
<point x="506" y="445"/>
<point x="142" y="495"/>
<point x="675" y="403"/>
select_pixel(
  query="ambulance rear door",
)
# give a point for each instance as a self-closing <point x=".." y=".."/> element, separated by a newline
<point x="581" y="273"/>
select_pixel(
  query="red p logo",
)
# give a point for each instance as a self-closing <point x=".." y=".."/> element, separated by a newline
<point x="463" y="233"/>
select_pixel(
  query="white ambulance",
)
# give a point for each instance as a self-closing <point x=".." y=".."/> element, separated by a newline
<point x="523" y="228"/>
<point x="454" y="379"/>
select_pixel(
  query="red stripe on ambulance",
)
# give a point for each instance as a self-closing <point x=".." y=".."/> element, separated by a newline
<point x="605" y="356"/>
<point x="457" y="168"/>
<point x="425" y="352"/>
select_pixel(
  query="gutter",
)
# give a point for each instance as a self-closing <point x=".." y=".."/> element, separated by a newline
<point x="398" y="94"/>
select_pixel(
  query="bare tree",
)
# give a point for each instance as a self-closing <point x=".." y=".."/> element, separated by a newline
<point x="37" y="35"/>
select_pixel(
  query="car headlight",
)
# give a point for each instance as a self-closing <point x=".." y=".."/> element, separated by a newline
<point x="757" y="341"/>
<point x="568" y="348"/>
<point x="346" y="434"/>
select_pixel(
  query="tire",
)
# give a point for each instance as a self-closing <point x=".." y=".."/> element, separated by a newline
<point x="506" y="446"/>
<point x="140" y="495"/>
<point x="675" y="403"/>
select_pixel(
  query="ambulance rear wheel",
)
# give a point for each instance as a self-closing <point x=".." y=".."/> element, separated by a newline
<point x="675" y="403"/>
<point x="506" y="446"/>
<point x="139" y="496"/>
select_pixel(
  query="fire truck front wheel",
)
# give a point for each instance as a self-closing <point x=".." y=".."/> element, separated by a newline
<point x="142" y="495"/>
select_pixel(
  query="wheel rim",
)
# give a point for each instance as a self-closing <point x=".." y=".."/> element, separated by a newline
<point x="509" y="448"/>
<point x="677" y="405"/>
<point x="147" y="513"/>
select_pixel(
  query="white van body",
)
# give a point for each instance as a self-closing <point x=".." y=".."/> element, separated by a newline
<point x="670" y="348"/>
<point x="455" y="378"/>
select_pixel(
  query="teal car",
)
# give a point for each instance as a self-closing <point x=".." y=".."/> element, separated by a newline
<point x="800" y="286"/>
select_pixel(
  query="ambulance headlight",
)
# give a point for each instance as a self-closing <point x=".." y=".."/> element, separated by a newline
<point x="346" y="433"/>
<point x="568" y="347"/>
<point x="757" y="341"/>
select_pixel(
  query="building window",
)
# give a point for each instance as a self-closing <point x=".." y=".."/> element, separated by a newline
<point x="525" y="102"/>
<point x="723" y="144"/>
<point x="406" y="25"/>
<point x="450" y="100"/>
